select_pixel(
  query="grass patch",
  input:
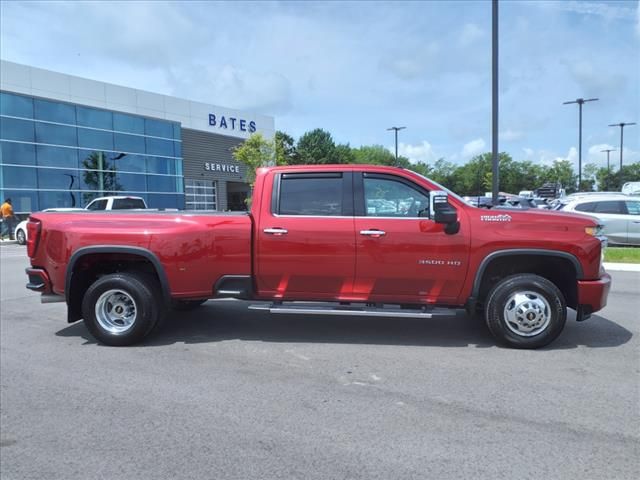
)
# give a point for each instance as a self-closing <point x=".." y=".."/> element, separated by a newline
<point x="622" y="255"/>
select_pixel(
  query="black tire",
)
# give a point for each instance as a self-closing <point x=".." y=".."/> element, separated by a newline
<point x="21" y="236"/>
<point x="536" y="307"/>
<point x="138" y="294"/>
<point x="186" y="305"/>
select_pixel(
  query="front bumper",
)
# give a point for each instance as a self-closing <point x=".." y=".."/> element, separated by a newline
<point x="592" y="295"/>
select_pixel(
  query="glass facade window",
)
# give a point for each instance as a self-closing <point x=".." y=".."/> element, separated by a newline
<point x="128" y="123"/>
<point x="57" y="154"/>
<point x="56" y="134"/>
<point x="92" y="117"/>
<point x="98" y="139"/>
<point x="61" y="198"/>
<point x="166" y="166"/>
<point x="161" y="183"/>
<point x="158" y="128"/>
<point x="130" y="163"/>
<point x="165" y="200"/>
<point x="17" y="153"/>
<point x="16" y="105"/>
<point x="132" y="182"/>
<point x="52" y="111"/>
<point x="19" y="177"/>
<point x="14" y="129"/>
<point x="129" y="143"/>
<point x="58" y="178"/>
<point x="56" y="157"/>
<point x="158" y="146"/>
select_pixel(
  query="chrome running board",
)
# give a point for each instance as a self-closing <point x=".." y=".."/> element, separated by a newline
<point x="296" y="308"/>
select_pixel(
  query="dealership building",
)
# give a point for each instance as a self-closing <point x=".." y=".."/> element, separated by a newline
<point x="65" y="140"/>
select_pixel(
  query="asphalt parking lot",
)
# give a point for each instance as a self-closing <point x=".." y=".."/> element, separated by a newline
<point x="225" y="393"/>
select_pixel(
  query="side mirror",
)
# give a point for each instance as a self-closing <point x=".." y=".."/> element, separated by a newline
<point x="442" y="212"/>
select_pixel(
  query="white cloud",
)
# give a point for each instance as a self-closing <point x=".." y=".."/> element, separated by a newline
<point x="592" y="80"/>
<point x="239" y="88"/>
<point x="470" y="34"/>
<point x="608" y="11"/>
<point x="528" y="153"/>
<point x="571" y="156"/>
<point x="511" y="135"/>
<point x="474" y="147"/>
<point x="422" y="152"/>
<point x="415" y="65"/>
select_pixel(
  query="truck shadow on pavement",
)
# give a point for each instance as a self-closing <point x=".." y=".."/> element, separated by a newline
<point x="221" y="321"/>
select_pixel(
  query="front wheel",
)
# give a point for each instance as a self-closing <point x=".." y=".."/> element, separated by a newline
<point x="21" y="236"/>
<point x="525" y="311"/>
<point x="121" y="308"/>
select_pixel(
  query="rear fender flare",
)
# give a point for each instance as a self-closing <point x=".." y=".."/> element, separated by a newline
<point x="137" y="251"/>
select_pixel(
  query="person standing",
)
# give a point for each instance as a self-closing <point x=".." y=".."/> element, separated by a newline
<point x="7" y="219"/>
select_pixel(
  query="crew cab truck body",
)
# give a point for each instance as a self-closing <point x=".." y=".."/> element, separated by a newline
<point x="351" y="239"/>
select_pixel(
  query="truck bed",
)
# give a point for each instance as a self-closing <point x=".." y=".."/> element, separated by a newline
<point x="194" y="248"/>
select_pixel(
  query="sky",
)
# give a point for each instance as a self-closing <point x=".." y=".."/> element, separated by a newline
<point x="357" y="68"/>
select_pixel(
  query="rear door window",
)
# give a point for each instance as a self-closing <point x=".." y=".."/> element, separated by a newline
<point x="127" y="203"/>
<point x="611" y="206"/>
<point x="311" y="194"/>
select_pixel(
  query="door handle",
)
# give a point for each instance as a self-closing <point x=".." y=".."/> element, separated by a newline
<point x="373" y="233"/>
<point x="276" y="231"/>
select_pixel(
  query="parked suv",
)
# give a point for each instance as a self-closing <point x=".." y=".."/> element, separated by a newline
<point x="619" y="215"/>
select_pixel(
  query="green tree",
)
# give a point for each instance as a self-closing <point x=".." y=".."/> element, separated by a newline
<point x="285" y="148"/>
<point x="613" y="181"/>
<point x="316" y="147"/>
<point x="255" y="152"/>
<point x="373" y="155"/>
<point x="344" y="154"/>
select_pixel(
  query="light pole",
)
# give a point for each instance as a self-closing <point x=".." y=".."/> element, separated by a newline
<point x="396" y="132"/>
<point x="580" y="102"/>
<point x="608" y="150"/>
<point x="621" y="125"/>
<point x="495" y="169"/>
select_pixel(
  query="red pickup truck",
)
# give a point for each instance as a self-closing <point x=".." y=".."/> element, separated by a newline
<point x="325" y="240"/>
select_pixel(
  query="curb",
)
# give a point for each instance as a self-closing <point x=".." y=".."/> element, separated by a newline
<point x="8" y="242"/>
<point x="622" y="267"/>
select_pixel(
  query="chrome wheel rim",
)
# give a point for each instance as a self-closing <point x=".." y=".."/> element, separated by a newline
<point x="527" y="313"/>
<point x="20" y="236"/>
<point x="116" y="311"/>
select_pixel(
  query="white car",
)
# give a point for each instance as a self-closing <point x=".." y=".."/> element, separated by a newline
<point x="619" y="214"/>
<point x="102" y="203"/>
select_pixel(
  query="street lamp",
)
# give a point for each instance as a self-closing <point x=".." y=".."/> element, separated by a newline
<point x="621" y="125"/>
<point x="608" y="150"/>
<point x="396" y="131"/>
<point x="495" y="161"/>
<point x="580" y="102"/>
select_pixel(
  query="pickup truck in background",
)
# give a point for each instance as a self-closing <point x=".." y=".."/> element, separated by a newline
<point x="101" y="203"/>
<point x="325" y="240"/>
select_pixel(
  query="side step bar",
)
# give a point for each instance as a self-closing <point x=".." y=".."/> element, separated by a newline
<point x="353" y="311"/>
